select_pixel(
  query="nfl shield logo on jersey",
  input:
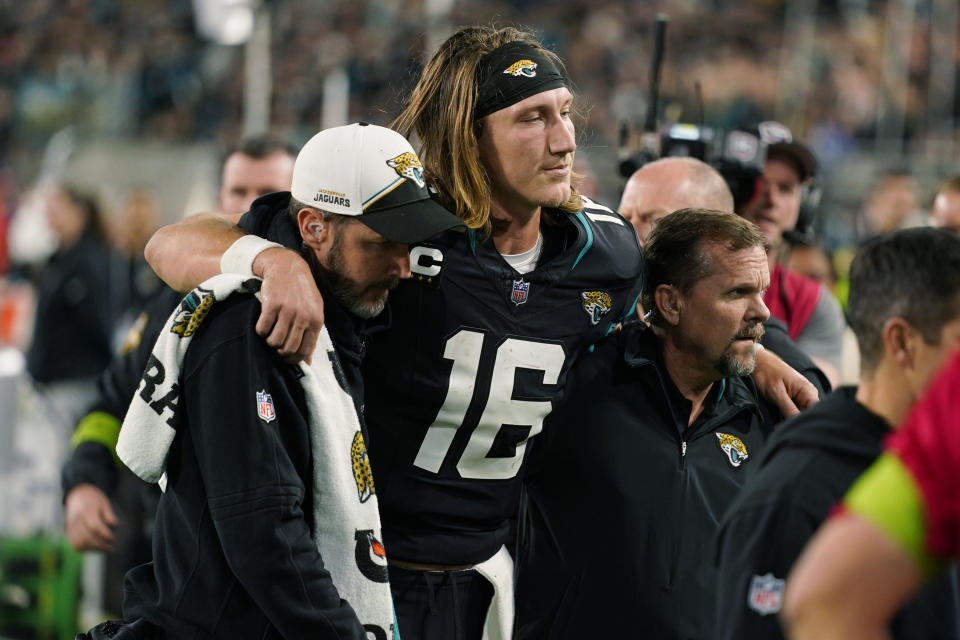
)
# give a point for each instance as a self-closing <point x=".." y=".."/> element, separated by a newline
<point x="265" y="406"/>
<point x="766" y="594"/>
<point x="521" y="290"/>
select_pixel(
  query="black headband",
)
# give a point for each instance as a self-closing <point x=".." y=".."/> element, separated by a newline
<point x="510" y="73"/>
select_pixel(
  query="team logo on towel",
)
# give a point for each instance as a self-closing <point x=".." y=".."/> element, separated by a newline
<point x="370" y="556"/>
<point x="734" y="448"/>
<point x="408" y="166"/>
<point x="526" y="68"/>
<point x="766" y="594"/>
<point x="191" y="312"/>
<point x="520" y="291"/>
<point x="596" y="304"/>
<point x="361" y="467"/>
<point x="265" y="406"/>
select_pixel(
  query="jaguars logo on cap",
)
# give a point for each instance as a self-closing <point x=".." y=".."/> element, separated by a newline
<point x="527" y="68"/>
<point x="596" y="304"/>
<point x="408" y="166"/>
<point x="191" y="312"/>
<point x="361" y="467"/>
<point x="734" y="448"/>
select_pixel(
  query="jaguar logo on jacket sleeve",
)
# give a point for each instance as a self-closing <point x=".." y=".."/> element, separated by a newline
<point x="733" y="447"/>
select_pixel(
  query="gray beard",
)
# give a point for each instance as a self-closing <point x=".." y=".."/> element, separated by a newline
<point x="346" y="290"/>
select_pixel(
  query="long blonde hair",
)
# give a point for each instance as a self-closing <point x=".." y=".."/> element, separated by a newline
<point x="440" y="112"/>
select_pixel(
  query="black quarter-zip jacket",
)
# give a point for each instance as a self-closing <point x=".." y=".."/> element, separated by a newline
<point x="807" y="467"/>
<point x="624" y="498"/>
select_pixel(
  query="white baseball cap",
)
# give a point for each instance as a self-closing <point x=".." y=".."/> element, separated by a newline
<point x="373" y="173"/>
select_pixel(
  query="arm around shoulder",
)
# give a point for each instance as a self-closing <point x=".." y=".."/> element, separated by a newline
<point x="186" y="253"/>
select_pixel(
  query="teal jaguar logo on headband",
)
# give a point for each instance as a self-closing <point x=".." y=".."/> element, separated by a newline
<point x="527" y="68"/>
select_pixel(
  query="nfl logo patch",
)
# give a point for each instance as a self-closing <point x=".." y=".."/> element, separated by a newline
<point x="520" y="292"/>
<point x="265" y="406"/>
<point x="766" y="594"/>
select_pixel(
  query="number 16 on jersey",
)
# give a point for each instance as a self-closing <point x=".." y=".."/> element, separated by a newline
<point x="464" y="348"/>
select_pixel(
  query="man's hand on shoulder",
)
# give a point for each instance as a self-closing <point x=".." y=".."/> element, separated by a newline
<point x="90" y="519"/>
<point x="292" y="308"/>
<point x="782" y="385"/>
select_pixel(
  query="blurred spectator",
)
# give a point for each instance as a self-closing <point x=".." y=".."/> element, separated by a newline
<point x="812" y="261"/>
<point x="946" y="205"/>
<point x="71" y="340"/>
<point x="893" y="203"/>
<point x="138" y="219"/>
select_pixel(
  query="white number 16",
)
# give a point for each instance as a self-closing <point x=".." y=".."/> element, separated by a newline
<point x="464" y="348"/>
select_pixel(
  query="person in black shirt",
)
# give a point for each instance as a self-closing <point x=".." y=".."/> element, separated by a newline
<point x="905" y="309"/>
<point x="268" y="526"/>
<point x="637" y="465"/>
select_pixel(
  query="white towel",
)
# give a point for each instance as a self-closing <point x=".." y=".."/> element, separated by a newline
<point x="346" y="515"/>
<point x="498" y="570"/>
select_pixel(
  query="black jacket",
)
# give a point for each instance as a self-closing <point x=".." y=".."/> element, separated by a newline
<point x="233" y="552"/>
<point x="92" y="459"/>
<point x="807" y="467"/>
<point x="624" y="499"/>
<point x="74" y="318"/>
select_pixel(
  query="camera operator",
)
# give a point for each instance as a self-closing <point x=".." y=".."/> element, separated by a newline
<point x="813" y="316"/>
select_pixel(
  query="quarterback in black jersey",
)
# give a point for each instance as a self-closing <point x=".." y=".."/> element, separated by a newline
<point x="483" y="333"/>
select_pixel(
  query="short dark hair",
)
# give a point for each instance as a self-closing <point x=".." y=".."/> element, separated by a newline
<point x="912" y="274"/>
<point x="674" y="252"/>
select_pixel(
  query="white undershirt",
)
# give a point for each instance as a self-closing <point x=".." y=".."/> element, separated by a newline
<point x="527" y="261"/>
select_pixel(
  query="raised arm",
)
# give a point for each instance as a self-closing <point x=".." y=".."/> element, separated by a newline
<point x="188" y="252"/>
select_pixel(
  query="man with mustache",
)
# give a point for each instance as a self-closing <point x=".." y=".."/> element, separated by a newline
<point x="649" y="447"/>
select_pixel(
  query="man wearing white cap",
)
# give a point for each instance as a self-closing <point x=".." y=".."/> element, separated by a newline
<point x="269" y="525"/>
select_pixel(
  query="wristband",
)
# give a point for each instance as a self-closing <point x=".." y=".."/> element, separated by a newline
<point x="241" y="254"/>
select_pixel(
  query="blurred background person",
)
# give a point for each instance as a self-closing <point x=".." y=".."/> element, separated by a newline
<point x="945" y="211"/>
<point x="893" y="203"/>
<point x="75" y="314"/>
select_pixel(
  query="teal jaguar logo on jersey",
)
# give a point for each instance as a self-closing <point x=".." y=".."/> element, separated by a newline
<point x="526" y="68"/>
<point x="596" y="304"/>
<point x="407" y="165"/>
<point x="191" y="312"/>
<point x="734" y="448"/>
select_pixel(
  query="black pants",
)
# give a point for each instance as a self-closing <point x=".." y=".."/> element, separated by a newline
<point x="440" y="605"/>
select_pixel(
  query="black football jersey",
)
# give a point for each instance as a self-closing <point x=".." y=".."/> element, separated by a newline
<point x="474" y="360"/>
